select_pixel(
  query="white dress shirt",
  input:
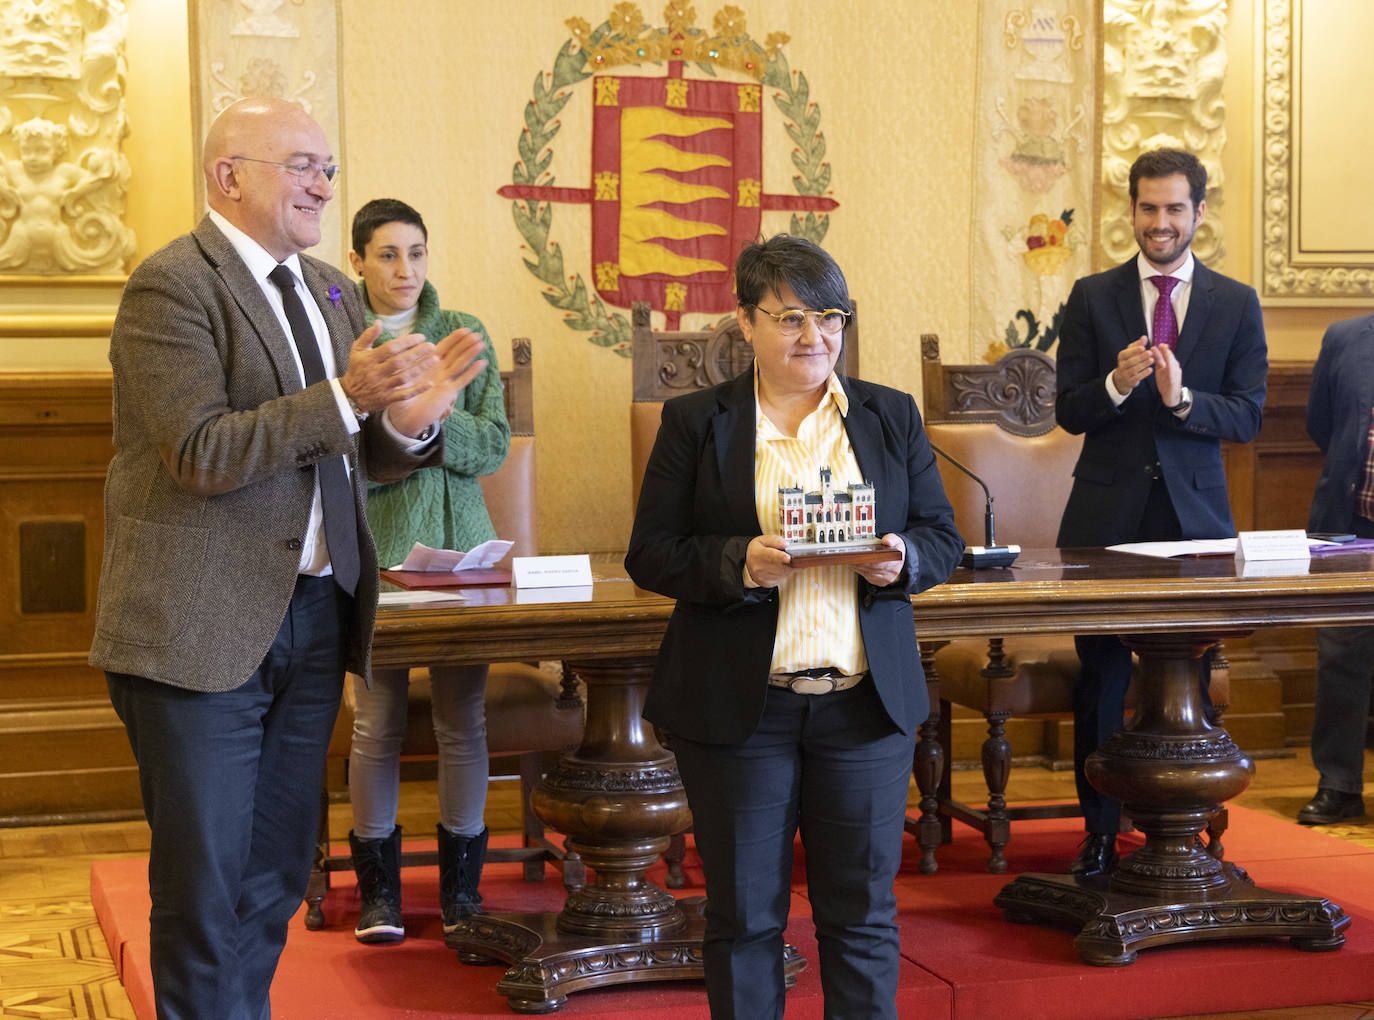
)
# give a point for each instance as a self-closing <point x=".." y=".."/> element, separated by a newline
<point x="314" y="553"/>
<point x="1149" y="296"/>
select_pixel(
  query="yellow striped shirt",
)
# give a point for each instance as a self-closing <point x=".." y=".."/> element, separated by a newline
<point x="818" y="612"/>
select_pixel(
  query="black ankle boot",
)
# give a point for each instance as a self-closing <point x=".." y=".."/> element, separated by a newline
<point x="378" y="866"/>
<point x="460" y="869"/>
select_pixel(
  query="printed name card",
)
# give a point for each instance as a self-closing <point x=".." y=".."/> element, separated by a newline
<point x="537" y="596"/>
<point x="1272" y="545"/>
<point x="1273" y="568"/>
<point x="552" y="571"/>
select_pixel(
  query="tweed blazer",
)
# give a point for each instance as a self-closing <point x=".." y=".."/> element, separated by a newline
<point x="696" y="516"/>
<point x="1338" y="410"/>
<point x="208" y="496"/>
<point x="1222" y="352"/>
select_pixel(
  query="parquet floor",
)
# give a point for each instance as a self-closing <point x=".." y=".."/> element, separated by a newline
<point x="54" y="963"/>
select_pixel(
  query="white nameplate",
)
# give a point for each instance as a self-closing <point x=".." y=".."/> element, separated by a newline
<point x="1273" y="545"/>
<point x="1273" y="568"/>
<point x="536" y="596"/>
<point x="552" y="571"/>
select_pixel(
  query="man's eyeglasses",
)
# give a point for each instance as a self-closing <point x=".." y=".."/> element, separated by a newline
<point x="301" y="169"/>
<point x="829" y="321"/>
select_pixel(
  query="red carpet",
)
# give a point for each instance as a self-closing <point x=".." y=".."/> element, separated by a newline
<point x="328" y="975"/>
<point x="964" y="961"/>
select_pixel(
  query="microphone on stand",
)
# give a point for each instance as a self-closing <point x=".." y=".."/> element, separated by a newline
<point x="990" y="554"/>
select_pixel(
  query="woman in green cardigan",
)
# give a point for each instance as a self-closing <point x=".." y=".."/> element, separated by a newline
<point x="443" y="508"/>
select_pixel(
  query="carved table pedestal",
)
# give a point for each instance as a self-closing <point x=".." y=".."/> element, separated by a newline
<point x="618" y="798"/>
<point x="1172" y="771"/>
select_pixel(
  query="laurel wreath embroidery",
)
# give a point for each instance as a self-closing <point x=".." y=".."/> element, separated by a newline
<point x="584" y="310"/>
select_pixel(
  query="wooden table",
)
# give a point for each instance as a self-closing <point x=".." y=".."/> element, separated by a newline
<point x="618" y="797"/>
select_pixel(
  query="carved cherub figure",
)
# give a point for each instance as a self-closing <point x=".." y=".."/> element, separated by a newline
<point x="39" y="193"/>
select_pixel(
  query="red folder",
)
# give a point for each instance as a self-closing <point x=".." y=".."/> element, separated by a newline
<point x="413" y="579"/>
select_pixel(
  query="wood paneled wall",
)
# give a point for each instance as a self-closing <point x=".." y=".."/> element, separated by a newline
<point x="63" y="752"/>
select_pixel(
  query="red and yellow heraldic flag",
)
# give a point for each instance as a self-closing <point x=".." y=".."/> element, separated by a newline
<point x="677" y="173"/>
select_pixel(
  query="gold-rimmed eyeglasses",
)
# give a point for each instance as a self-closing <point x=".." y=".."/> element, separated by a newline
<point x="828" y="321"/>
<point x="302" y="169"/>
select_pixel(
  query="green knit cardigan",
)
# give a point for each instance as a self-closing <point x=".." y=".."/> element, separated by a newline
<point x="442" y="506"/>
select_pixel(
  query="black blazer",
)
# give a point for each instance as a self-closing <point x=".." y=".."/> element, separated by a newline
<point x="1338" y="412"/>
<point x="1224" y="358"/>
<point x="696" y="517"/>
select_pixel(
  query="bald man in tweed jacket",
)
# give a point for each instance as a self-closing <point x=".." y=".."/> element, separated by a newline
<point x="219" y="528"/>
<point x="249" y="405"/>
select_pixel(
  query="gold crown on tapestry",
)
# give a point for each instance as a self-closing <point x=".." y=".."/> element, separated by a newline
<point x="624" y="38"/>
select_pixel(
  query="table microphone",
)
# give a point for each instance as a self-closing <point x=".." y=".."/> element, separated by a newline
<point x="989" y="554"/>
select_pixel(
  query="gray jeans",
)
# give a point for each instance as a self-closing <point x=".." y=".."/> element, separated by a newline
<point x="458" y="706"/>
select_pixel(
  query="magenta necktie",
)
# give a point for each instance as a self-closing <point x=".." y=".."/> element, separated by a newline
<point x="1165" y="330"/>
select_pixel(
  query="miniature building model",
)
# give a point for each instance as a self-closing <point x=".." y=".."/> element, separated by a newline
<point x="826" y="518"/>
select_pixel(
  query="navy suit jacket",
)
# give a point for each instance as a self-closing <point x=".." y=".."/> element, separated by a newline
<point x="1222" y="351"/>
<point x="695" y="519"/>
<point x="1338" y="414"/>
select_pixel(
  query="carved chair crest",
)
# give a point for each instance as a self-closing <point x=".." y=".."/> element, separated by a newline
<point x="1016" y="393"/>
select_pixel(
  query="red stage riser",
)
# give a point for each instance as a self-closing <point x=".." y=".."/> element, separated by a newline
<point x="963" y="960"/>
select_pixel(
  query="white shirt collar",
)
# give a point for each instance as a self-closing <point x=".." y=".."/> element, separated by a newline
<point x="254" y="255"/>
<point x="1183" y="272"/>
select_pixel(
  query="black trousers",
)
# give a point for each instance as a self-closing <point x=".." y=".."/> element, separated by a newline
<point x="835" y="766"/>
<point x="231" y="790"/>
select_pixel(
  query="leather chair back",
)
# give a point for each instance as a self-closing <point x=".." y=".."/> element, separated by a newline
<point x="1028" y="476"/>
<point x="998" y="421"/>
<point x="510" y="492"/>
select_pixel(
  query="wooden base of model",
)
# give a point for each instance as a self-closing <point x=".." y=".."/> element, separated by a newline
<point x="841" y="555"/>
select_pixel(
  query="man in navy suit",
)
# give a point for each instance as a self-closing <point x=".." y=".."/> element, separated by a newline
<point x="1339" y="421"/>
<point x="1160" y="359"/>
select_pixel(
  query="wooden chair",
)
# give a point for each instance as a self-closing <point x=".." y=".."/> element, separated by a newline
<point x="998" y="421"/>
<point x="531" y="716"/>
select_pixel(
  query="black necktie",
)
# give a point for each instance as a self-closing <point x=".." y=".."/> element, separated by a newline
<point x="336" y="494"/>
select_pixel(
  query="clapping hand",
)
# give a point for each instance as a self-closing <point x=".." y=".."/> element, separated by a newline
<point x="1168" y="374"/>
<point x="458" y="364"/>
<point x="396" y="370"/>
<point x="1134" y="362"/>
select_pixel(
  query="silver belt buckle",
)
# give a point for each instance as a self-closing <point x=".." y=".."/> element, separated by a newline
<point x="815" y="684"/>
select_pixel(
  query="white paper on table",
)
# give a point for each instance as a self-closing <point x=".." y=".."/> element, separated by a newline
<point x="479" y="557"/>
<point x="409" y="598"/>
<point x="552" y="571"/>
<point x="1188" y="547"/>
